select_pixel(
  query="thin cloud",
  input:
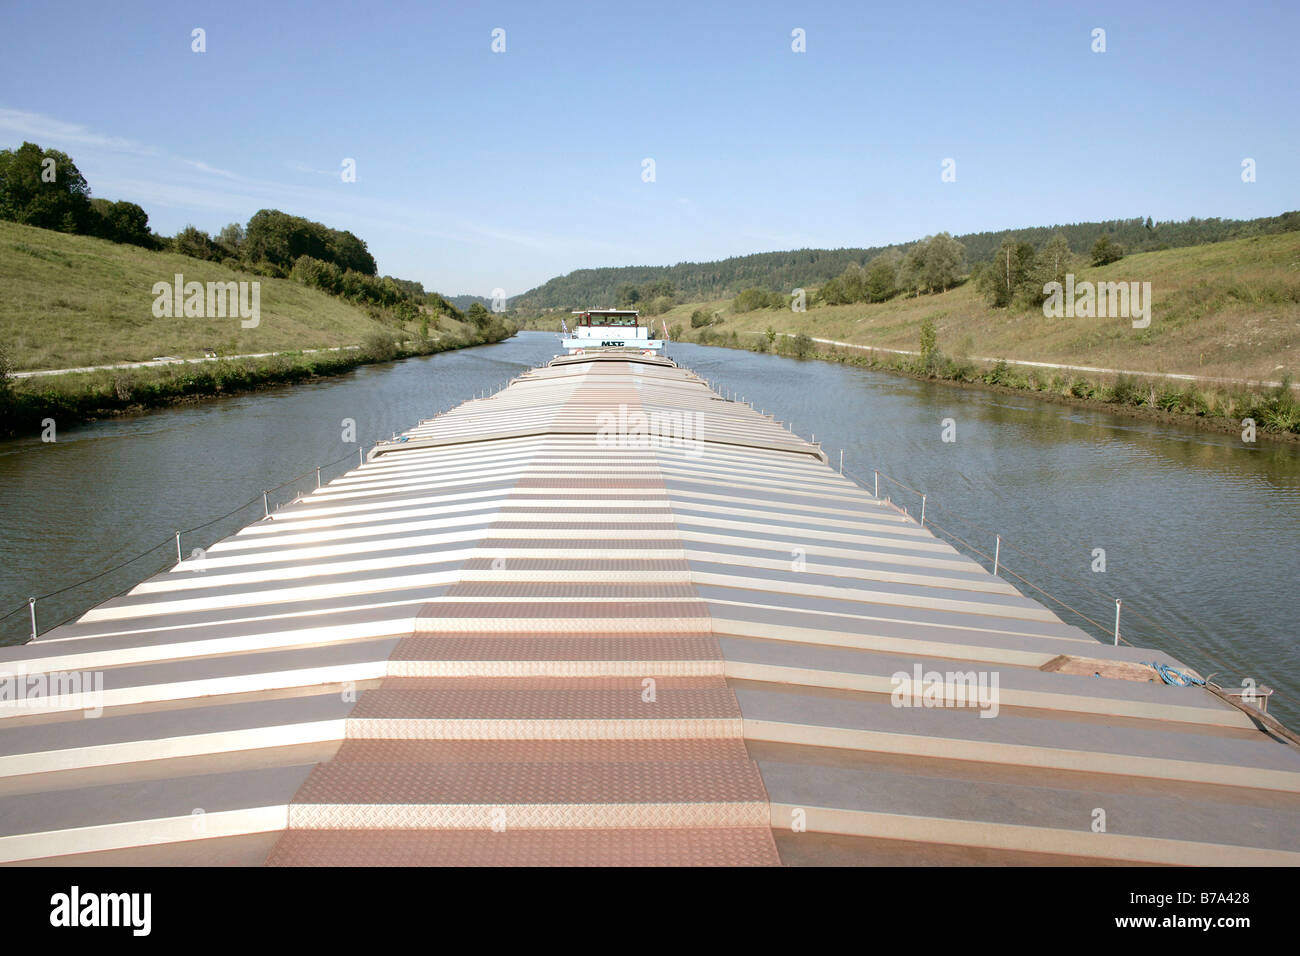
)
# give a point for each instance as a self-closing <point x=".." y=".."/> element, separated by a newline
<point x="298" y="167"/>
<point x="33" y="126"/>
<point x="205" y="168"/>
<point x="171" y="186"/>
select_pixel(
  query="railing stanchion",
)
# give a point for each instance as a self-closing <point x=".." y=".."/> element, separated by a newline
<point x="361" y="455"/>
<point x="31" y="603"/>
<point x="266" y="505"/>
<point x="841" y="461"/>
<point x="179" y="559"/>
<point x="877" y="474"/>
<point x="318" y="476"/>
<point x="922" y="510"/>
<point x="1118" y="602"/>
<point x="997" y="555"/>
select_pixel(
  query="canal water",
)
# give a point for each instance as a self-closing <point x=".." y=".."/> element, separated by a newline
<point x="1198" y="531"/>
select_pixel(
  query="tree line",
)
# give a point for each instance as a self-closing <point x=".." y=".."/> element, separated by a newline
<point x="273" y="241"/>
<point x="1018" y="272"/>
<point x="43" y="188"/>
<point x="806" y="268"/>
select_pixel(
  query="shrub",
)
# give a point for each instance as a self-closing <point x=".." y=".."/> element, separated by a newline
<point x="998" y="374"/>
<point x="379" y="346"/>
<point x="931" y="360"/>
<point x="123" y="387"/>
<point x="1105" y="251"/>
<point x="1125" y="391"/>
<point x="752" y="299"/>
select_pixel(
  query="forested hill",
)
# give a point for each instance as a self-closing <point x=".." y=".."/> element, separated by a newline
<point x="463" y="302"/>
<point x="782" y="271"/>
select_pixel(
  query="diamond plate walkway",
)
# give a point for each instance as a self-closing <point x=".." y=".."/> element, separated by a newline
<point x="606" y="617"/>
<point x="559" y="709"/>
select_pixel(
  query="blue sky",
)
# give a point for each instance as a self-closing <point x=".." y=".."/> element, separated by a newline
<point x="479" y="170"/>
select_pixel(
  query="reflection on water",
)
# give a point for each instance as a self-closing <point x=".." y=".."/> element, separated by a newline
<point x="1199" y="531"/>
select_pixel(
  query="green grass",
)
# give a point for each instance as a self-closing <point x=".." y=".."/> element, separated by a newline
<point x="72" y="301"/>
<point x="1227" y="310"/>
<point x="80" y="396"/>
<point x="1230" y="310"/>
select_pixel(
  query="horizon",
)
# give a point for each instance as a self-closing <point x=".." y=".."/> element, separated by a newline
<point x="478" y="170"/>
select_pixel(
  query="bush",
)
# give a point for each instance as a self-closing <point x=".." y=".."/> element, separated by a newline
<point x="700" y="318"/>
<point x="197" y="244"/>
<point x="752" y="299"/>
<point x="379" y="346"/>
<point x="1104" y="251"/>
<point x="1125" y="391"/>
<point x="1000" y="374"/>
<point x="1167" y="399"/>
<point x="929" y="345"/>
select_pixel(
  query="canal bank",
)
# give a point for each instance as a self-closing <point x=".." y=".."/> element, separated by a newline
<point x="1255" y="411"/>
<point x="29" y="402"/>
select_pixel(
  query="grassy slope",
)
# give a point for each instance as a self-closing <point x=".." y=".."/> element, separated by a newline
<point x="69" y="301"/>
<point x="1230" y="310"/>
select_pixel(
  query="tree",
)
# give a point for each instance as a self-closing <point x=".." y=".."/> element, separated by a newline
<point x="1104" y="251"/>
<point x="231" y="238"/>
<point x="911" y="267"/>
<point x="853" y="282"/>
<point x="349" y="251"/>
<point x="318" y="274"/>
<point x="280" y="239"/>
<point x="832" y="292"/>
<point x="37" y="192"/>
<point x="752" y="299"/>
<point x="943" y="258"/>
<point x="478" y="314"/>
<point x="880" y="280"/>
<point x="121" y="222"/>
<point x="1051" y="265"/>
<point x="1011" y="271"/>
<point x="660" y="289"/>
<point x="194" y="242"/>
